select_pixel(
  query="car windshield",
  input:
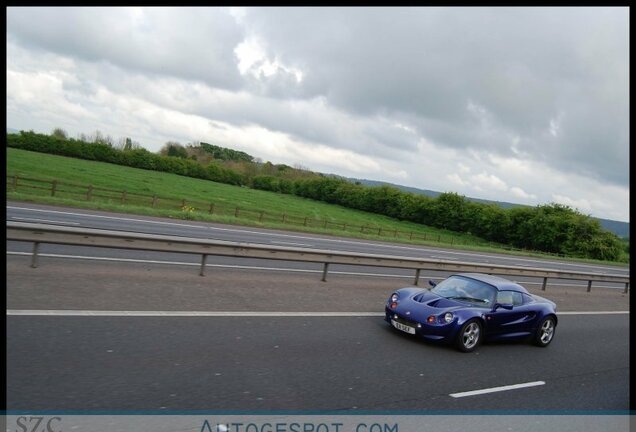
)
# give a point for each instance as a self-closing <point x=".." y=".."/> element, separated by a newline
<point x="466" y="290"/>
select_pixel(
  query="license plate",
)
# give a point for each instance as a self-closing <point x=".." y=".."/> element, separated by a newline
<point x="403" y="327"/>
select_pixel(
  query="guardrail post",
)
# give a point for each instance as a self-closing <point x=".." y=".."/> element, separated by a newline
<point x="626" y="287"/>
<point x="417" y="277"/>
<point x="53" y="187"/>
<point x="204" y="257"/>
<point x="34" y="258"/>
<point x="589" y="286"/>
<point x="14" y="184"/>
<point x="545" y="283"/>
<point x="89" y="194"/>
<point x="324" y="272"/>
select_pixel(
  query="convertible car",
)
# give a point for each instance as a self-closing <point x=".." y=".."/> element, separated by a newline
<point x="468" y="308"/>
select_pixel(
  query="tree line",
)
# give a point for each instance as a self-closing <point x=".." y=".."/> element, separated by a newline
<point x="553" y="228"/>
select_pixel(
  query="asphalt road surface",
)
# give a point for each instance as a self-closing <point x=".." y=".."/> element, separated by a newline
<point x="111" y="221"/>
<point x="144" y="224"/>
<point x="276" y="338"/>
<point x="303" y="363"/>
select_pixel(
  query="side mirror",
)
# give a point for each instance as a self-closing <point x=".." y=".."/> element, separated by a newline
<point x="431" y="283"/>
<point x="507" y="306"/>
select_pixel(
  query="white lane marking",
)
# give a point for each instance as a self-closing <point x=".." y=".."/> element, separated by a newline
<point x="145" y="261"/>
<point x="58" y="312"/>
<point x="497" y="389"/>
<point x="44" y="220"/>
<point x="595" y="313"/>
<point x="289" y="243"/>
<point x="469" y="254"/>
<point x="71" y="312"/>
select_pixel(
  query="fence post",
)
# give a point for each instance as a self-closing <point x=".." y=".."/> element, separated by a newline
<point x="344" y="227"/>
<point x="211" y="208"/>
<point x="362" y="229"/>
<point x="260" y="217"/>
<point x="89" y="194"/>
<point x="324" y="272"/>
<point x="305" y="222"/>
<point x="284" y="218"/>
<point x="380" y="231"/>
<point x="626" y="287"/>
<point x="411" y="235"/>
<point x="545" y="283"/>
<point x="183" y="203"/>
<point x="204" y="257"/>
<point x="236" y="212"/>
<point x="34" y="258"/>
<point x="395" y="233"/>
<point x="123" y="197"/>
<point x="589" y="286"/>
<point x="417" y="277"/>
<point x="439" y="238"/>
<point x="14" y="184"/>
<point x="53" y="187"/>
<point x="325" y="223"/>
<point x="154" y="200"/>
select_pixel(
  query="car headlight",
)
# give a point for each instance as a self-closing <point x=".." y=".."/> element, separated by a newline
<point x="394" y="297"/>
<point x="448" y="317"/>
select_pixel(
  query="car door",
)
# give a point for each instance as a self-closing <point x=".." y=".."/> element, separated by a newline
<point x="517" y="322"/>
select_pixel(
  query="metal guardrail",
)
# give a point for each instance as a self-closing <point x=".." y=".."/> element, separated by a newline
<point x="39" y="233"/>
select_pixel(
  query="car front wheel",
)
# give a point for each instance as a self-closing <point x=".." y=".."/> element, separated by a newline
<point x="545" y="332"/>
<point x="470" y="336"/>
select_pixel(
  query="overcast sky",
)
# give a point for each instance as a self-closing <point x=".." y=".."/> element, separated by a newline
<point x="526" y="105"/>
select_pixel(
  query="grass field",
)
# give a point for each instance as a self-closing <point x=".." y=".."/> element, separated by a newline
<point x="140" y="185"/>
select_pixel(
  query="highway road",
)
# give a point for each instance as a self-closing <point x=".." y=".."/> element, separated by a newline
<point x="143" y="224"/>
<point x="99" y="329"/>
<point x="343" y="363"/>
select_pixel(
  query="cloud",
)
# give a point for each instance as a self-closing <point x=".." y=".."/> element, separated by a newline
<point x="190" y="43"/>
<point x="472" y="100"/>
<point x="582" y="204"/>
<point x="489" y="181"/>
<point x="520" y="193"/>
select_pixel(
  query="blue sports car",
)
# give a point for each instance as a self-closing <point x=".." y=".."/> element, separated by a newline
<point x="468" y="308"/>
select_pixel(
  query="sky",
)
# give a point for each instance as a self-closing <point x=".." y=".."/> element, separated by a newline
<point x="525" y="105"/>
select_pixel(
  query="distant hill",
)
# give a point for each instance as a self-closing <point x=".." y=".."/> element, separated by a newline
<point x="619" y="228"/>
<point x="12" y="131"/>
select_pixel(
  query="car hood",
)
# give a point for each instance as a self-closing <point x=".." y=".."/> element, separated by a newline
<point x="422" y="304"/>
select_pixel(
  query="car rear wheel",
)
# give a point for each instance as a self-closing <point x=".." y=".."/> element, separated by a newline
<point x="545" y="332"/>
<point x="470" y="336"/>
